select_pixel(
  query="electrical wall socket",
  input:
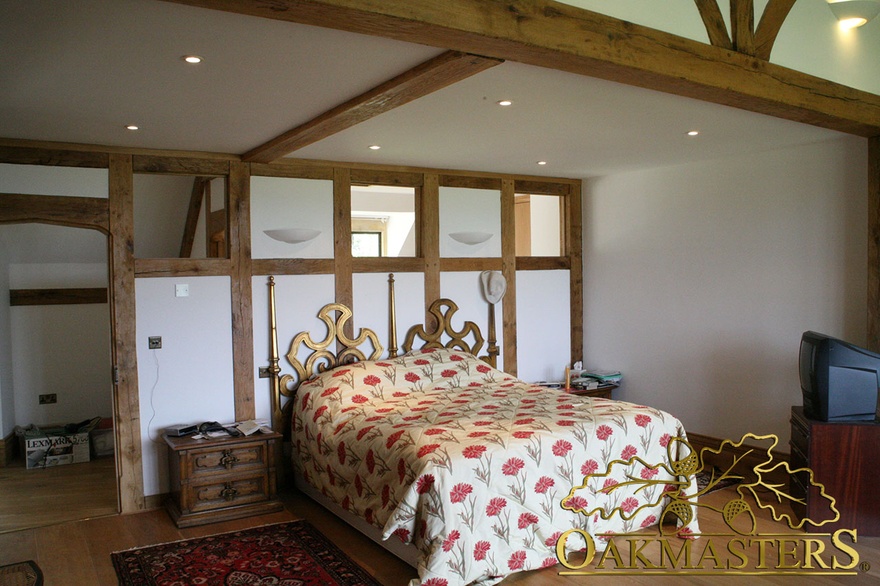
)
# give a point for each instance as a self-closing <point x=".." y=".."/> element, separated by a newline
<point x="48" y="399"/>
<point x="154" y="342"/>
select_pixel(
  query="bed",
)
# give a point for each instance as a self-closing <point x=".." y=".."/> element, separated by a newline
<point x="476" y="472"/>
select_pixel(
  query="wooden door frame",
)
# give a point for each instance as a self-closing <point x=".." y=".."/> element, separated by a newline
<point x="88" y="213"/>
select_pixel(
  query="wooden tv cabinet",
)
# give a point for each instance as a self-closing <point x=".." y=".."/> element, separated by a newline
<point x="845" y="458"/>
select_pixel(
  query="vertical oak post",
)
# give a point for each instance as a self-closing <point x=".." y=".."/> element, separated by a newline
<point x="574" y="236"/>
<point x="124" y="351"/>
<point x="342" y="241"/>
<point x="429" y="228"/>
<point x="239" y="226"/>
<point x="508" y="269"/>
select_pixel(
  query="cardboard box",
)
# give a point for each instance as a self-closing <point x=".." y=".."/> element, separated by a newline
<point x="102" y="441"/>
<point x="55" y="447"/>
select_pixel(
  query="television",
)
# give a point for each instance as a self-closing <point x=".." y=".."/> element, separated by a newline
<point x="839" y="380"/>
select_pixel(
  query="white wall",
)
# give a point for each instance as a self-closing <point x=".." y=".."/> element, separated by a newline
<point x="470" y="210"/>
<point x="543" y="314"/>
<point x="61" y="349"/>
<point x="189" y="380"/>
<point x="282" y="202"/>
<point x="700" y="279"/>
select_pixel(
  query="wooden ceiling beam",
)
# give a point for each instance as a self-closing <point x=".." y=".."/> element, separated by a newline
<point x="430" y="76"/>
<point x="192" y="216"/>
<point x="714" y="23"/>
<point x="742" y="25"/>
<point x="559" y="36"/>
<point x="79" y="212"/>
<point x="774" y="15"/>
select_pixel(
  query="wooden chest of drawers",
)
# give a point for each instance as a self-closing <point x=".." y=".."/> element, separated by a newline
<point x="844" y="457"/>
<point x="219" y="479"/>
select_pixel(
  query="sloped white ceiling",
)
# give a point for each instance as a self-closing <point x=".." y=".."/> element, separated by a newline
<point x="80" y="71"/>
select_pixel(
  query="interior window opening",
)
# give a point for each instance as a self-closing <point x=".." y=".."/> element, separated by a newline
<point x="179" y="216"/>
<point x="538" y="225"/>
<point x="383" y="221"/>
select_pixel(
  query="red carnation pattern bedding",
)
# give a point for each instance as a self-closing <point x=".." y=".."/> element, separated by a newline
<point x="472" y="466"/>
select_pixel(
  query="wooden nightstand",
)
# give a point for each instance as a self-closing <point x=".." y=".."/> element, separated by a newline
<point x="223" y="478"/>
<point x="600" y="393"/>
<point x="603" y="392"/>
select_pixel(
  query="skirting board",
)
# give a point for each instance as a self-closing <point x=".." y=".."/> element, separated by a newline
<point x="155" y="501"/>
<point x="408" y="553"/>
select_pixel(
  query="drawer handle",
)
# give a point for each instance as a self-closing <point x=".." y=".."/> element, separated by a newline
<point x="228" y="493"/>
<point x="228" y="460"/>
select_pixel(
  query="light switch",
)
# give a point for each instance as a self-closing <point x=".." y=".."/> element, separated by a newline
<point x="181" y="290"/>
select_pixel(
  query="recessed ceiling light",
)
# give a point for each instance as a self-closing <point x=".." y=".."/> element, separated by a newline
<point x="132" y="127"/>
<point x="542" y="162"/>
<point x="374" y="147"/>
<point x="505" y="103"/>
<point x="693" y="133"/>
<point x="192" y="59"/>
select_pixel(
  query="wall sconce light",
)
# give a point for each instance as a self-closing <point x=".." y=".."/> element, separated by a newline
<point x="470" y="238"/>
<point x="292" y="235"/>
<point x="854" y="13"/>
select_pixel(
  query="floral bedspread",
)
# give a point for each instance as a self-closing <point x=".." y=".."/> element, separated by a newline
<point x="472" y="466"/>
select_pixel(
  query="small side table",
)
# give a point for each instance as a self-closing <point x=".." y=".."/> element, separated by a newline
<point x="603" y="392"/>
<point x="222" y="478"/>
<point x="599" y="393"/>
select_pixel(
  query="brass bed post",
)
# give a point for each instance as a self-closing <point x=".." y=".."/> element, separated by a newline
<point x="492" y="349"/>
<point x="274" y="369"/>
<point x="392" y="319"/>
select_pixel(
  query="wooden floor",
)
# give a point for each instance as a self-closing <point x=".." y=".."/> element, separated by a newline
<point x="78" y="553"/>
<point x="48" y="496"/>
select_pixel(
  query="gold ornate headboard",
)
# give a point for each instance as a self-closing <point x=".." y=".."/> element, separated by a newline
<point x="321" y="358"/>
<point x="347" y="349"/>
<point x="443" y="310"/>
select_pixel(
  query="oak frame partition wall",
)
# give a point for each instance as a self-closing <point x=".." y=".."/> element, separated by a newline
<point x="115" y="216"/>
<point x="538" y="32"/>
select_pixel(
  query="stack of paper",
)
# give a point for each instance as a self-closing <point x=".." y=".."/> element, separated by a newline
<point x="253" y="426"/>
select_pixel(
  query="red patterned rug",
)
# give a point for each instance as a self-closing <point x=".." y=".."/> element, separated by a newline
<point x="284" y="554"/>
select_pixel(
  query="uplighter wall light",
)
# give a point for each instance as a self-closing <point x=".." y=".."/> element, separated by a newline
<point x="854" y="13"/>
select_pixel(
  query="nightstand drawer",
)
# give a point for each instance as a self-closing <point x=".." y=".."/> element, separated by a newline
<point x="223" y="492"/>
<point x="222" y="460"/>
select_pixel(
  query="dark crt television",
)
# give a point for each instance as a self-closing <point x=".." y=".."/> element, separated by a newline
<point x="839" y="380"/>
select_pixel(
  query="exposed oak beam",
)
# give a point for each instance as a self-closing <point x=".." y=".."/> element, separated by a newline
<point x="742" y="25"/>
<point x="714" y="23"/>
<point x="745" y="38"/>
<point x="81" y="212"/>
<point x="774" y="15"/>
<point x="68" y="296"/>
<point x="192" y="216"/>
<point x="558" y="36"/>
<point x="419" y="81"/>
